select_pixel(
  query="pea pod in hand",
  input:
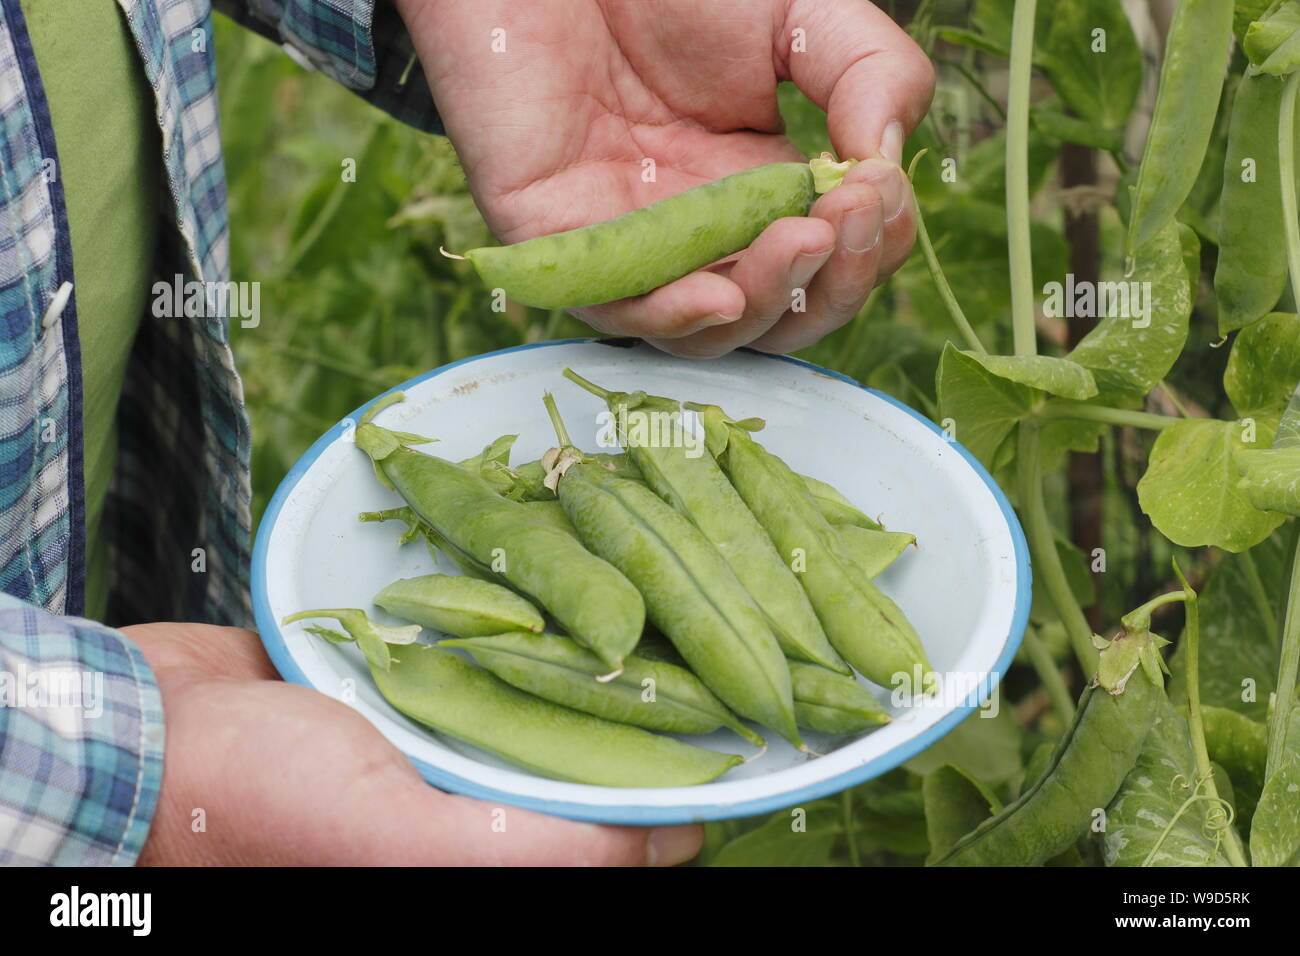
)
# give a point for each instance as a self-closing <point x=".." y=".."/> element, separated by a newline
<point x="650" y="247"/>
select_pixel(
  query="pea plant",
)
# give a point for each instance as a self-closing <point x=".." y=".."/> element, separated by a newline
<point x="1183" y="753"/>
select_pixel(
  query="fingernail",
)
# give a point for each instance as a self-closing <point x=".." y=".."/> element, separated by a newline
<point x="860" y="229"/>
<point x="891" y="143"/>
<point x="806" y="266"/>
<point x="670" y="846"/>
<point x="887" y="177"/>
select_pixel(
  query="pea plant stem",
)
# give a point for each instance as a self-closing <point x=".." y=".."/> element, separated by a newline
<point x="1255" y="584"/>
<point x="846" y="805"/>
<point x="1042" y="545"/>
<point x="1018" y="234"/>
<point x="1288" y="666"/>
<point x="1287" y="164"/>
<point x="1195" y="725"/>
<point x="1050" y="675"/>
<point x="941" y="281"/>
<point x="1108" y="415"/>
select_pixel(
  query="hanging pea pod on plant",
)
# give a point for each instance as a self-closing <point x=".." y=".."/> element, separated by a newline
<point x="1089" y="764"/>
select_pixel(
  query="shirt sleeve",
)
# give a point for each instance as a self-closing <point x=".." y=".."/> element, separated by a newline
<point x="81" y="741"/>
<point x="362" y="44"/>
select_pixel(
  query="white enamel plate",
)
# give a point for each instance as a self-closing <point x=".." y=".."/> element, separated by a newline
<point x="966" y="587"/>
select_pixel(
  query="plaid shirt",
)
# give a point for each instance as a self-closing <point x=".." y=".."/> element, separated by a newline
<point x="79" y="778"/>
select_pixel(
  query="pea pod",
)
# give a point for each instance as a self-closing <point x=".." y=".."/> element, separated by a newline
<point x="873" y="551"/>
<point x="1191" y="80"/>
<point x="532" y="474"/>
<point x="552" y="513"/>
<point x="691" y="594"/>
<point x="417" y="528"/>
<point x="454" y="604"/>
<point x="863" y="624"/>
<point x="372" y="637"/>
<point x="834" y="507"/>
<point x="446" y="692"/>
<point x="690" y="481"/>
<point x="591" y="599"/>
<point x="649" y="694"/>
<point x="1251" y="272"/>
<point x="1086" y="769"/>
<point x="649" y="247"/>
<point x="832" y="703"/>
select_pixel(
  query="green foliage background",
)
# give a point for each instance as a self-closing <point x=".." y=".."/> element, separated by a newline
<point x="356" y="298"/>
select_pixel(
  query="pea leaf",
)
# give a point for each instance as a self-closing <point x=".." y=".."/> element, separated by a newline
<point x="1190" y="489"/>
<point x="889" y="816"/>
<point x="1288" y="431"/>
<point x="1273" y="44"/>
<point x="1245" y="12"/>
<point x="1240" y="611"/>
<point x="1275" y="830"/>
<point x="1129" y="360"/>
<point x="1093" y="60"/>
<point x="1057" y="376"/>
<point x="973" y="39"/>
<point x="985" y="747"/>
<point x="1071" y="129"/>
<point x="1271" y="478"/>
<point x="801" y="836"/>
<point x="1076" y="573"/>
<point x="1155" y="818"/>
<point x="1264" y="367"/>
<point x="955" y="804"/>
<point x="984" y="406"/>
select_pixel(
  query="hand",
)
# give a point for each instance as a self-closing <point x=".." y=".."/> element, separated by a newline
<point x="552" y="134"/>
<point x="287" y="776"/>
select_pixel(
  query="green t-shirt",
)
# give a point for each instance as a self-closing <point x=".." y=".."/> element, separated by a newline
<point x="110" y="166"/>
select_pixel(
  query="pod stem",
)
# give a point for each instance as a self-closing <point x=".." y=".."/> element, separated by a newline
<point x="392" y="398"/>
<point x="552" y="410"/>
<point x="576" y="379"/>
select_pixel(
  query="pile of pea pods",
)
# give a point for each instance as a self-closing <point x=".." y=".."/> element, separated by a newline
<point x="608" y="600"/>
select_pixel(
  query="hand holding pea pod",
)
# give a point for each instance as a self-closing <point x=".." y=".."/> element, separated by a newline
<point x="540" y="169"/>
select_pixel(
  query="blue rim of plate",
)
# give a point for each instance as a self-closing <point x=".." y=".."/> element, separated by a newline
<point x="278" y="650"/>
